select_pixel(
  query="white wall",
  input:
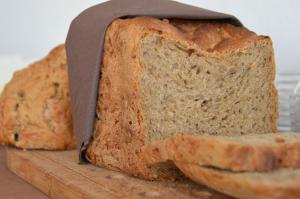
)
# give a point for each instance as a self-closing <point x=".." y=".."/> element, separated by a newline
<point x="31" y="28"/>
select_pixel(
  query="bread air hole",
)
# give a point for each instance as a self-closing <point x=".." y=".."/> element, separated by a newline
<point x="21" y="94"/>
<point x="16" y="136"/>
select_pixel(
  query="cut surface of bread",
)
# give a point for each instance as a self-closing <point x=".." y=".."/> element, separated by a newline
<point x="252" y="152"/>
<point x="277" y="184"/>
<point x="35" y="110"/>
<point x="187" y="92"/>
<point x="163" y="78"/>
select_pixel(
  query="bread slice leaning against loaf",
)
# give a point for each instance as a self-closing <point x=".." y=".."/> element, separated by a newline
<point x="253" y="152"/>
<point x="278" y="184"/>
<point x="165" y="78"/>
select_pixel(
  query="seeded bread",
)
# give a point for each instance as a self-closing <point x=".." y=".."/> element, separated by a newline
<point x="253" y="152"/>
<point x="162" y="79"/>
<point x="35" y="106"/>
<point x="277" y="184"/>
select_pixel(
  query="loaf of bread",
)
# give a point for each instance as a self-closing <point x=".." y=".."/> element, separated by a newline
<point x="253" y="152"/>
<point x="277" y="184"/>
<point x="35" y="110"/>
<point x="164" y="78"/>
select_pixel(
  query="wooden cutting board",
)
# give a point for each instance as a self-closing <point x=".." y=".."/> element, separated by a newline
<point x="59" y="176"/>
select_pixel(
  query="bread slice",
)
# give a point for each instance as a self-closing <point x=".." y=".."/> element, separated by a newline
<point x="35" y="110"/>
<point x="277" y="184"/>
<point x="253" y="152"/>
<point x="163" y="78"/>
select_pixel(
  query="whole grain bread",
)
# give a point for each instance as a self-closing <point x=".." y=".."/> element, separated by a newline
<point x="35" y="110"/>
<point x="277" y="184"/>
<point x="165" y="78"/>
<point x="252" y="152"/>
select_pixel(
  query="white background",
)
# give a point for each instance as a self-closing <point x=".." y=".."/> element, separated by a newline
<point x="30" y="28"/>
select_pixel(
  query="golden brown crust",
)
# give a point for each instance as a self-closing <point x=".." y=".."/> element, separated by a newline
<point x="213" y="36"/>
<point x="279" y="184"/>
<point x="35" y="106"/>
<point x="244" y="153"/>
<point x="119" y="132"/>
<point x="116" y="142"/>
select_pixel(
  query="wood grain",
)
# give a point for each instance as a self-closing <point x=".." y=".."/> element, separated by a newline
<point x="58" y="175"/>
<point x="12" y="187"/>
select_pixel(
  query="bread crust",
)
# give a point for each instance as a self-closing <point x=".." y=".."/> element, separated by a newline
<point x="35" y="111"/>
<point x="280" y="184"/>
<point x="119" y="130"/>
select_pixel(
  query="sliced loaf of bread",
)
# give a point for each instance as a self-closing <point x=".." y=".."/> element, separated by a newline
<point x="277" y="184"/>
<point x="253" y="152"/>
<point x="165" y="78"/>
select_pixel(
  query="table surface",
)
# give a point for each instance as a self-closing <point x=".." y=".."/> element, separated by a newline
<point x="13" y="187"/>
<point x="39" y="168"/>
